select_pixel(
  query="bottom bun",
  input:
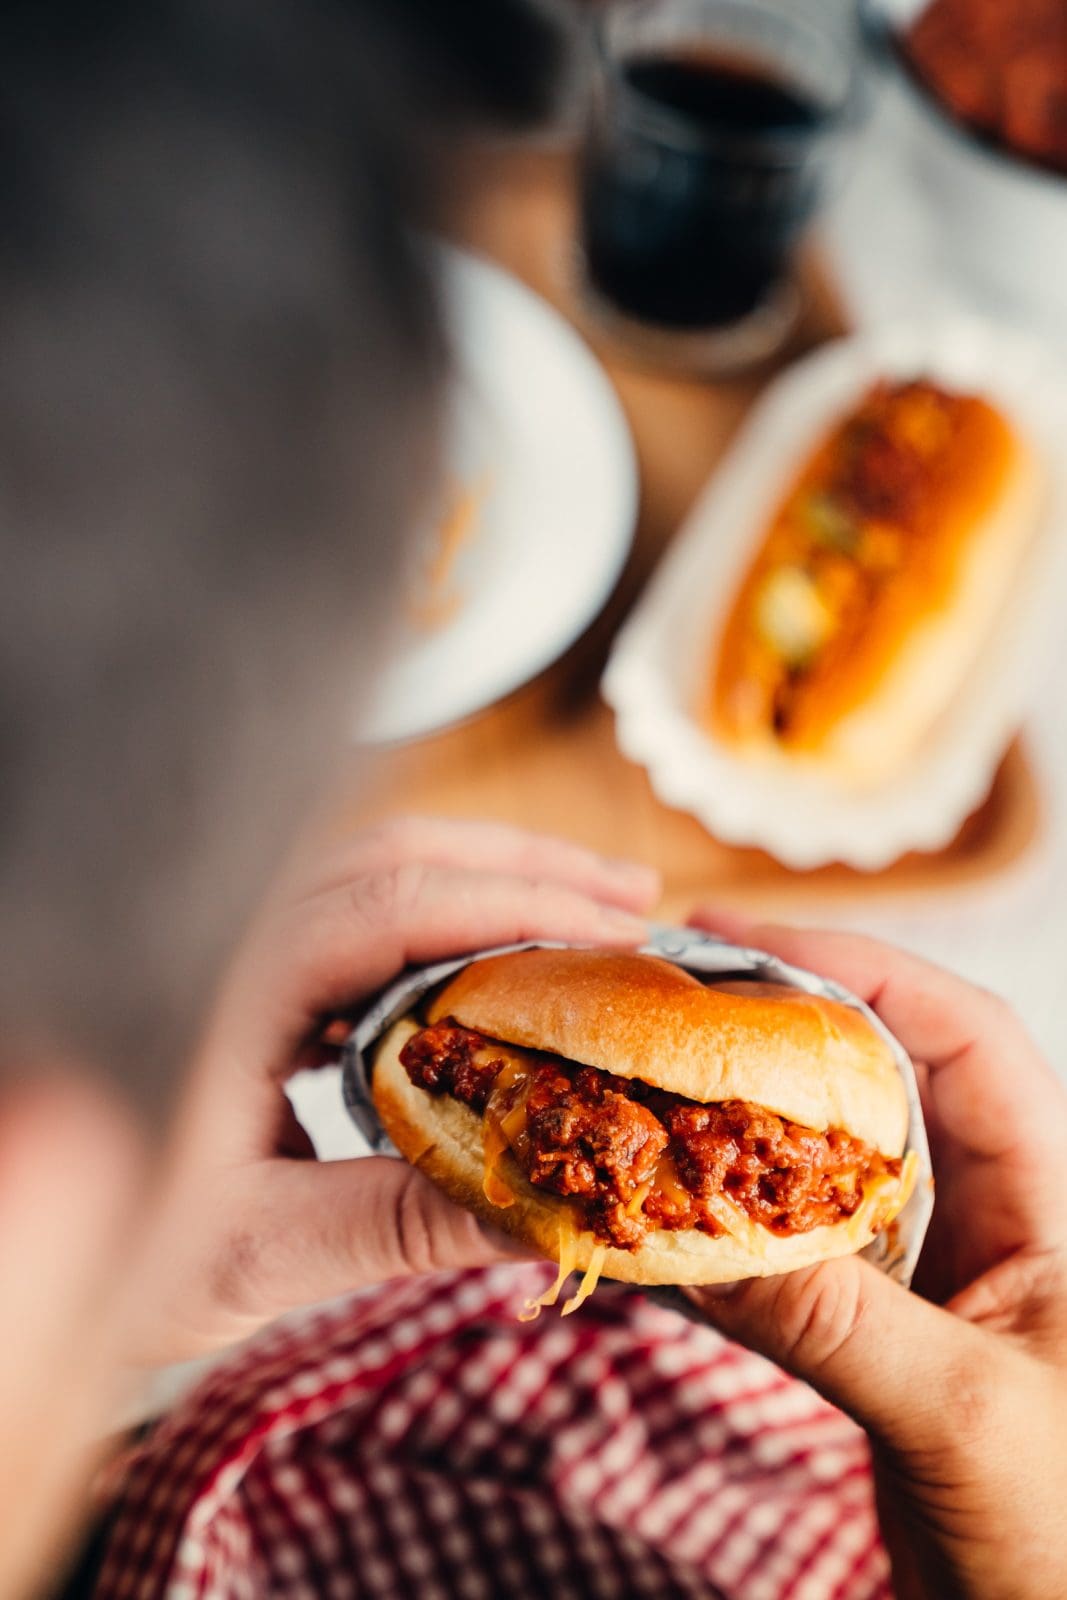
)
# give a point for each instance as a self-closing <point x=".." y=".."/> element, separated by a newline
<point x="443" y="1138"/>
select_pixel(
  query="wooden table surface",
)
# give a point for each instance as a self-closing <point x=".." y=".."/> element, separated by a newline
<point x="546" y="756"/>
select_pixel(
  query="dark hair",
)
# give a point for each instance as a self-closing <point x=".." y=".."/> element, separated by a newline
<point x="218" y="362"/>
<point x="482" y="64"/>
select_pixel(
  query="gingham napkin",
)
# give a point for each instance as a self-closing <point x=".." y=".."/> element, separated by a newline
<point x="419" y="1440"/>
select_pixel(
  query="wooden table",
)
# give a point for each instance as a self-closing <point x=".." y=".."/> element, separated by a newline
<point x="546" y="756"/>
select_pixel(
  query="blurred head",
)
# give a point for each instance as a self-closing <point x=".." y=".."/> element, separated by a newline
<point x="216" y="417"/>
<point x="489" y="65"/>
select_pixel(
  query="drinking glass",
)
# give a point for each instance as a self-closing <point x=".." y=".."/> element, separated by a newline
<point x="714" y="126"/>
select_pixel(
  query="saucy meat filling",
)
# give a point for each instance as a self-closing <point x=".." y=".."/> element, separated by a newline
<point x="633" y="1157"/>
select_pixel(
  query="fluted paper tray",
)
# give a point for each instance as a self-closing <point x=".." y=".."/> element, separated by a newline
<point x="658" y="670"/>
<point x="895" y="1251"/>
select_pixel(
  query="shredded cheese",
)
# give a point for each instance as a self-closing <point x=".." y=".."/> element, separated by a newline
<point x="666" y="1179"/>
<point x="494" y="1188"/>
<point x="640" y="1195"/>
<point x="898" y="1194"/>
<point x="589" y="1281"/>
<point x="502" y="1128"/>
<point x="568" y="1260"/>
<point x="883" y="1199"/>
<point x="737" y="1224"/>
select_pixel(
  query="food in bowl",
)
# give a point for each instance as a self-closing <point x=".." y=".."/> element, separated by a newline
<point x="999" y="67"/>
<point x="876" y="585"/>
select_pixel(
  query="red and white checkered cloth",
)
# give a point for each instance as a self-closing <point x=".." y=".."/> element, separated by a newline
<point x="419" y="1440"/>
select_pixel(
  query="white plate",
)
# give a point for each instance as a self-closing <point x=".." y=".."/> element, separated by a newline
<point x="653" y="679"/>
<point x="537" y="427"/>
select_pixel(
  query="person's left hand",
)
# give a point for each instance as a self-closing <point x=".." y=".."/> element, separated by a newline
<point x="251" y="1225"/>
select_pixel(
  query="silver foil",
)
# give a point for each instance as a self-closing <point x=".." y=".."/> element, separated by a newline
<point x="704" y="955"/>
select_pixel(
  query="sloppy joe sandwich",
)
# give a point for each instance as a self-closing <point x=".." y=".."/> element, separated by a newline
<point x="618" y="1115"/>
<point x="877" y="584"/>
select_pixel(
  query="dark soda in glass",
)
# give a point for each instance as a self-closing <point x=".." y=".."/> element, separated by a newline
<point x="702" y="166"/>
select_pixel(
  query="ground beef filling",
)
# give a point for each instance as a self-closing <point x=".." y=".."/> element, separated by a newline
<point x="633" y="1157"/>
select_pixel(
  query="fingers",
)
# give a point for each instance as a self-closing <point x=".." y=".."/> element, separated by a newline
<point x="492" y="847"/>
<point x="990" y="1078"/>
<point x="316" y="1231"/>
<point x="367" y="931"/>
<point x="328" y="953"/>
<point x="996" y="1112"/>
<point x="933" y="1013"/>
<point x="251" y="1242"/>
<point x="888" y="1358"/>
<point x="330" y="949"/>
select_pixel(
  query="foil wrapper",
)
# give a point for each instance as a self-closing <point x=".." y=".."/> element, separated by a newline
<point x="895" y="1251"/>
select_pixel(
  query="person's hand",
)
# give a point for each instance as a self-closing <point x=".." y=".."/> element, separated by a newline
<point x="961" y="1386"/>
<point x="250" y="1226"/>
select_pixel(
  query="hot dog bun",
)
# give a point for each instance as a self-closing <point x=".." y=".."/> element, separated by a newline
<point x="877" y="585"/>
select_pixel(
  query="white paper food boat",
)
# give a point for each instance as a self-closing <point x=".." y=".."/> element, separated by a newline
<point x="659" y="665"/>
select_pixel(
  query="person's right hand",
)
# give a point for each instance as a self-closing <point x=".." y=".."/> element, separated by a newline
<point x="962" y="1386"/>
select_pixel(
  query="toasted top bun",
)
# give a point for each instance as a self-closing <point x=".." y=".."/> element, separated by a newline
<point x="812" y="1060"/>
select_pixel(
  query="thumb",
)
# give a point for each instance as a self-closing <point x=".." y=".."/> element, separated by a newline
<point x="324" y="1228"/>
<point x="872" y="1348"/>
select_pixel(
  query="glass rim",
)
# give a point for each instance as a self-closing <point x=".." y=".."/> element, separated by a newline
<point x="837" y="118"/>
